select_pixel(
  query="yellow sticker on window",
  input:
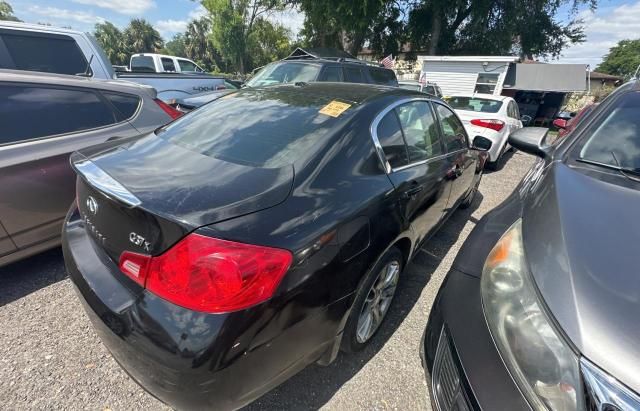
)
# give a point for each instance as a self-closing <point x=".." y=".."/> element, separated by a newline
<point x="334" y="108"/>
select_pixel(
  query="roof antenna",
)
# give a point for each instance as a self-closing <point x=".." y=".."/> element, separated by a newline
<point x="87" y="71"/>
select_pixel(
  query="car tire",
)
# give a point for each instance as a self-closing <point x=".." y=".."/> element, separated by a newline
<point x="472" y="194"/>
<point x="495" y="165"/>
<point x="373" y="300"/>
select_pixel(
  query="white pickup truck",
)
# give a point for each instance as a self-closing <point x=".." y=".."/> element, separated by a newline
<point x="161" y="63"/>
<point x="55" y="50"/>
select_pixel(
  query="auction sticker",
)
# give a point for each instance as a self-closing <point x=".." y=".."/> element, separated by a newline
<point x="334" y="108"/>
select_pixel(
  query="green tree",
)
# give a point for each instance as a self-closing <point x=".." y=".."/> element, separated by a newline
<point x="623" y="59"/>
<point x="176" y="46"/>
<point x="141" y="37"/>
<point x="199" y="46"/>
<point x="113" y="43"/>
<point x="268" y="42"/>
<point x="6" y="12"/>
<point x="233" y="22"/>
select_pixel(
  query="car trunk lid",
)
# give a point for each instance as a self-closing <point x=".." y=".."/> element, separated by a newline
<point x="147" y="194"/>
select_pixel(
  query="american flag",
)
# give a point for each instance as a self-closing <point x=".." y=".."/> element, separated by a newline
<point x="388" y="61"/>
<point x="423" y="79"/>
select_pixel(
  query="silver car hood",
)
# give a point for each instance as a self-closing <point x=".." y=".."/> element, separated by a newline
<point x="582" y="241"/>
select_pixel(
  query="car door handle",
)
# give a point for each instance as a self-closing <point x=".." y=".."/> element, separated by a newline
<point x="412" y="191"/>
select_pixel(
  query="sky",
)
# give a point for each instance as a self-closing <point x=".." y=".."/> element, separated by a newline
<point x="614" y="20"/>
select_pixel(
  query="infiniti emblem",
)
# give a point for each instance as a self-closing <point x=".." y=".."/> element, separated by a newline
<point x="92" y="205"/>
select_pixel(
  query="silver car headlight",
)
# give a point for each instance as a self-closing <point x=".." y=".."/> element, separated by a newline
<point x="545" y="368"/>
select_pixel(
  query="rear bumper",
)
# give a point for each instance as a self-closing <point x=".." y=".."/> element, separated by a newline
<point x="462" y="364"/>
<point x="187" y="359"/>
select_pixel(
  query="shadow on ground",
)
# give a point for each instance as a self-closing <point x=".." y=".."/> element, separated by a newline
<point x="27" y="276"/>
<point x="503" y="161"/>
<point x="314" y="386"/>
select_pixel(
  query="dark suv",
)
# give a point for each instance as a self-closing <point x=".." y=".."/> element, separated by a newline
<point x="323" y="64"/>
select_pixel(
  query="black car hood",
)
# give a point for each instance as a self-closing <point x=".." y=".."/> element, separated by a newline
<point x="581" y="236"/>
<point x="189" y="187"/>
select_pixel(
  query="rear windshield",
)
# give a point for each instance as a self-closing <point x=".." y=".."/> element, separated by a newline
<point x="285" y="72"/>
<point x="409" y="86"/>
<point x="383" y="76"/>
<point x="481" y="105"/>
<point x="143" y="63"/>
<point x="264" y="128"/>
<point x="615" y="140"/>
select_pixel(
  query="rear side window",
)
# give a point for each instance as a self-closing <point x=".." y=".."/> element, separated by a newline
<point x="28" y="112"/>
<point x="384" y="77"/>
<point x="143" y="63"/>
<point x="167" y="64"/>
<point x="455" y="137"/>
<point x="125" y="104"/>
<point x="420" y="131"/>
<point x="331" y="73"/>
<point x="254" y="128"/>
<point x="390" y="137"/>
<point x="353" y="75"/>
<point x="59" y="54"/>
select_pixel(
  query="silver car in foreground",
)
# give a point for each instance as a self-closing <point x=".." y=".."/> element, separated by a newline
<point x="43" y="119"/>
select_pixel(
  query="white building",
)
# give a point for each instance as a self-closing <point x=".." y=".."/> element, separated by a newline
<point x="467" y="74"/>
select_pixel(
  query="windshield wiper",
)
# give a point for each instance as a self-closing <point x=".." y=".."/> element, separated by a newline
<point x="630" y="173"/>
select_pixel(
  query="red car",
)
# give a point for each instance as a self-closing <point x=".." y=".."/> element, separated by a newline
<point x="566" y="126"/>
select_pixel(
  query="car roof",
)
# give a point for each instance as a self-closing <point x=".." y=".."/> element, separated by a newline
<point x="159" y="55"/>
<point x="38" y="27"/>
<point x="69" y="80"/>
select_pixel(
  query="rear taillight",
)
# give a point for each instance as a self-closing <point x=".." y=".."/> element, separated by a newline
<point x="172" y="112"/>
<point x="210" y="275"/>
<point x="496" y="125"/>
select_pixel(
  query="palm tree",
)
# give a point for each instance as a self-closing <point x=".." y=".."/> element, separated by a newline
<point x="112" y="41"/>
<point x="141" y="37"/>
<point x="198" y="45"/>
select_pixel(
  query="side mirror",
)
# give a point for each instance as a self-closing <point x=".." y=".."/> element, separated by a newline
<point x="560" y="123"/>
<point x="525" y="119"/>
<point x="481" y="143"/>
<point x="531" y="140"/>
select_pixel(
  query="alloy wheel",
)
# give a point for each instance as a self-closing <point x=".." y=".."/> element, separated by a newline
<point x="378" y="301"/>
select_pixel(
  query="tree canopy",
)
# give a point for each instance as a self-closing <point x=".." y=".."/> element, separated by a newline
<point x="6" y="12"/>
<point x="623" y="59"/>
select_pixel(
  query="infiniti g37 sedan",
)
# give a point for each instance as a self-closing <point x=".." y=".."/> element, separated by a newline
<point x="260" y="233"/>
<point x="540" y="310"/>
<point x="43" y="119"/>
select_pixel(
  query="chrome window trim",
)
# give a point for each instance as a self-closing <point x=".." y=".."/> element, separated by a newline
<point x="99" y="179"/>
<point x="373" y="129"/>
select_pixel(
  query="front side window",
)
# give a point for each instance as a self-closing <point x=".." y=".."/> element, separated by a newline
<point x="331" y="73"/>
<point x="390" y="137"/>
<point x="285" y="72"/>
<point x="455" y="138"/>
<point x="486" y="83"/>
<point x="420" y="131"/>
<point x="59" y="54"/>
<point x="188" y="66"/>
<point x="615" y="141"/>
<point x="353" y="75"/>
<point x="28" y="112"/>
<point x="167" y="64"/>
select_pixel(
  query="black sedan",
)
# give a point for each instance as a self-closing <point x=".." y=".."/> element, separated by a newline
<point x="223" y="253"/>
<point x="540" y="310"/>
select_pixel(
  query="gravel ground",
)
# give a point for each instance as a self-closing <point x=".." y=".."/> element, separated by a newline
<point x="50" y="358"/>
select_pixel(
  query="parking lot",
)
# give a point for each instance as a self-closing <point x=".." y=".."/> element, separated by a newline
<point x="50" y="357"/>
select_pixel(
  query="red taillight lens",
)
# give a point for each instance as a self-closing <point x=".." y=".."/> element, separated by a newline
<point x="172" y="112"/>
<point x="211" y="275"/>
<point x="496" y="125"/>
<point x="135" y="266"/>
